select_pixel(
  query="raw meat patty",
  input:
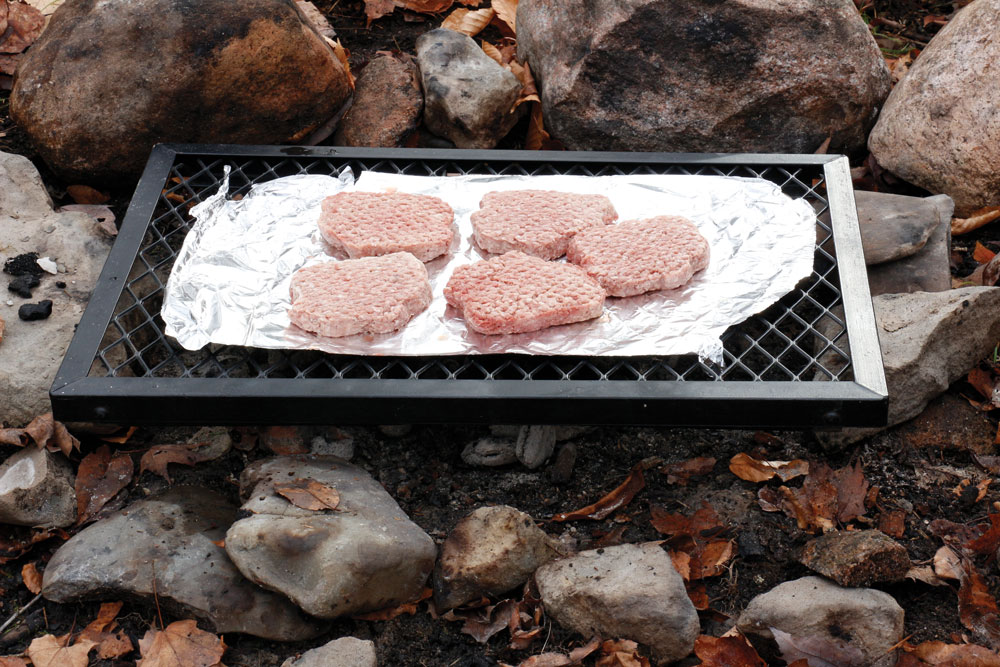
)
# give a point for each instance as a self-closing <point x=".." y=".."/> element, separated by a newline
<point x="637" y="256"/>
<point x="368" y="295"/>
<point x="368" y="224"/>
<point x="537" y="222"/>
<point x="515" y="293"/>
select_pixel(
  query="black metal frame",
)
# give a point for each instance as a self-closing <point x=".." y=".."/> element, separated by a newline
<point x="855" y="394"/>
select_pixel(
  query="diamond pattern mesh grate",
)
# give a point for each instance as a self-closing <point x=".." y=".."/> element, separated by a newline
<point x="784" y="343"/>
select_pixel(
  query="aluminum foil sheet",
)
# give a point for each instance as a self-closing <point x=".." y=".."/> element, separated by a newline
<point x="230" y="282"/>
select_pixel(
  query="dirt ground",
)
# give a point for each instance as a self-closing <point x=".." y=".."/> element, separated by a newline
<point x="916" y="467"/>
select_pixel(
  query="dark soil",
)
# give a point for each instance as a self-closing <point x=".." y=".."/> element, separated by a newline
<point x="424" y="472"/>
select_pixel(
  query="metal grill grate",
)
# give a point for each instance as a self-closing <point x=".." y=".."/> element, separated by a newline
<point x="789" y="348"/>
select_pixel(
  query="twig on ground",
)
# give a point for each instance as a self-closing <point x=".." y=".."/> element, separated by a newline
<point x="17" y="614"/>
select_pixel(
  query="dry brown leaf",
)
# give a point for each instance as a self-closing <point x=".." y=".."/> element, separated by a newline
<point x="984" y="382"/>
<point x="977" y="608"/>
<point x="681" y="472"/>
<point x="48" y="433"/>
<point x="507" y="12"/>
<point x="157" y="458"/>
<point x="982" y="254"/>
<point x="709" y="560"/>
<point x="618" y="498"/>
<point x="925" y="574"/>
<point x="733" y="651"/>
<point x="978" y="218"/>
<point x="121" y="439"/>
<point x="32" y="578"/>
<point x="955" y="655"/>
<point x="12" y="661"/>
<point x="698" y="594"/>
<point x="493" y="52"/>
<point x="16" y="541"/>
<point x="52" y="651"/>
<point x="892" y="523"/>
<point x="111" y="642"/>
<point x="344" y="56"/>
<point x="180" y="644"/>
<point x="309" y="494"/>
<point x="468" y="22"/>
<point x="24" y="25"/>
<point x="12" y="436"/>
<point x="989" y="540"/>
<point x="682" y="563"/>
<point x="425" y="6"/>
<point x="537" y="136"/>
<point x="84" y="194"/>
<point x="704" y="520"/>
<point x="621" y="653"/>
<point x="750" y="469"/>
<point x="99" y="478"/>
<point x="392" y="612"/>
<point x="376" y="9"/>
<point x="852" y="490"/>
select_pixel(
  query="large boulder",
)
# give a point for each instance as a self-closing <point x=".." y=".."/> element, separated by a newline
<point x="364" y="556"/>
<point x="940" y="127"/>
<point x="107" y="80"/>
<point x="673" y="75"/>
<point x="31" y="351"/>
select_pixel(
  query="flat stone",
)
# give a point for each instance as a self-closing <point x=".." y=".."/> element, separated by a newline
<point x="468" y="96"/>
<point x="37" y="488"/>
<point x="857" y="557"/>
<point x="33" y="350"/>
<point x="928" y="340"/>
<point x="938" y="128"/>
<point x="365" y="556"/>
<point x="195" y="75"/>
<point x="343" y="652"/>
<point x="213" y="442"/>
<point x="927" y="270"/>
<point x="489" y="552"/>
<point x="705" y="76"/>
<point x="167" y="544"/>
<point x="387" y="104"/>
<point x="897" y="226"/>
<point x="490" y="452"/>
<point x="535" y="445"/>
<point x="812" y="607"/>
<point x="283" y="440"/>
<point x="561" y="470"/>
<point x="630" y="591"/>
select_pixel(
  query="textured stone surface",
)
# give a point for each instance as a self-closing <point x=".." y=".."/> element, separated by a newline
<point x="37" y="489"/>
<point x="343" y="652"/>
<point x="535" y="445"/>
<point x="366" y="555"/>
<point x="468" y="97"/>
<point x="387" y="105"/>
<point x="670" y="75"/>
<point x="927" y="270"/>
<point x="107" y="80"/>
<point x="928" y="340"/>
<point x="940" y="127"/>
<point x="630" y="591"/>
<point x="857" y="557"/>
<point x="813" y="607"/>
<point x="489" y="552"/>
<point x="32" y="351"/>
<point x="170" y="540"/>
<point x="897" y="226"/>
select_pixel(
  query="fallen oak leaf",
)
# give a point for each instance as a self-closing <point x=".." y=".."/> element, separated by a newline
<point x="12" y="436"/>
<point x="111" y="642"/>
<point x="982" y="254"/>
<point x="925" y="574"/>
<point x="621" y="496"/>
<point x="344" y="56"/>
<point x="697" y="592"/>
<point x="852" y="490"/>
<point x="12" y="661"/>
<point x="469" y="22"/>
<point x="734" y="651"/>
<point x="309" y="494"/>
<point x="180" y="644"/>
<point x="32" y="578"/>
<point x="158" y="457"/>
<point x="47" y="432"/>
<point x="98" y="479"/>
<point x="493" y="52"/>
<point x="954" y="655"/>
<point x="507" y="13"/>
<point x="704" y="520"/>
<point x="52" y="651"/>
<point x="989" y="540"/>
<point x="681" y="472"/>
<point x="977" y="608"/>
<point x="750" y="469"/>
<point x="621" y="653"/>
<point x="709" y="560"/>
<point x="976" y="220"/>
<point x="392" y="612"/>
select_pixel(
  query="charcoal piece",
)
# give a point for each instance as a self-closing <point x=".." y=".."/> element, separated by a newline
<point x="23" y="284"/>
<point x="35" y="311"/>
<point x="24" y="264"/>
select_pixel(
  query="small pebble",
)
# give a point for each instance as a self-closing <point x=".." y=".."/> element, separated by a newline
<point x="10" y="302"/>
<point x="50" y="229"/>
<point x="61" y="285"/>
<point x="35" y="311"/>
<point x="61" y="268"/>
<point x="48" y="265"/>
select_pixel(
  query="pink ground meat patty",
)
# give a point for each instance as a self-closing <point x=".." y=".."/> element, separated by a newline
<point x="368" y="224"/>
<point x="516" y="293"/>
<point x="368" y="295"/>
<point x="637" y="256"/>
<point x="537" y="222"/>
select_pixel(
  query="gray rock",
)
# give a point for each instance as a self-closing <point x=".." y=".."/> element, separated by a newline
<point x="387" y="105"/>
<point x="561" y="470"/>
<point x="813" y="607"/>
<point x="195" y="75"/>
<point x="366" y="555"/>
<point x="705" y="76"/>
<point x="490" y="452"/>
<point x="939" y="128"/>
<point x="343" y="652"/>
<point x="928" y="340"/>
<point x="535" y="445"/>
<point x="857" y="557"/>
<point x="491" y="551"/>
<point x="213" y="441"/>
<point x="32" y="351"/>
<point x="468" y="97"/>
<point x="927" y="270"/>
<point x="37" y="489"/>
<point x="897" y="226"/>
<point x="168" y="542"/>
<point x="631" y="591"/>
<point x="332" y="442"/>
